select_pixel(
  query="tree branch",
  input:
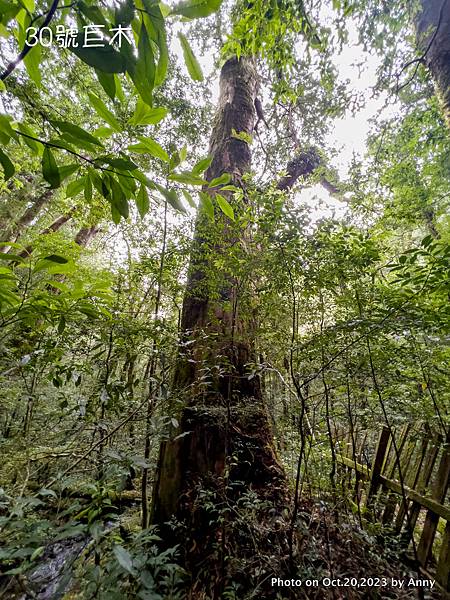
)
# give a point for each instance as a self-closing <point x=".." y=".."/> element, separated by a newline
<point x="13" y="64"/>
<point x="302" y="165"/>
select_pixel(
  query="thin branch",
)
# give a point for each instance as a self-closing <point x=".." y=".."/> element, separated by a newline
<point x="26" y="49"/>
<point x="80" y="156"/>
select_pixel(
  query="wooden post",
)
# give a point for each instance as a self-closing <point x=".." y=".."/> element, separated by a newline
<point x="412" y="481"/>
<point x="424" y="480"/>
<point x="399" y="462"/>
<point x="377" y="466"/>
<point x="431" y="520"/>
<point x="443" y="566"/>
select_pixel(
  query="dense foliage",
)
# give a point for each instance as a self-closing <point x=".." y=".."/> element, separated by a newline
<point x="104" y="153"/>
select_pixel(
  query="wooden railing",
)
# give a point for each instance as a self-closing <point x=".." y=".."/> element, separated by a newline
<point x="405" y="488"/>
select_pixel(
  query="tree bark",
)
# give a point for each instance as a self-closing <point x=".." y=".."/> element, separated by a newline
<point x="433" y="41"/>
<point x="85" y="235"/>
<point x="55" y="226"/>
<point x="224" y="447"/>
<point x="13" y="233"/>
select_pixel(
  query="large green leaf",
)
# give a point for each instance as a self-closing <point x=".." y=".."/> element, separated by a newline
<point x="8" y="167"/>
<point x="118" y="198"/>
<point x="75" y="187"/>
<point x="207" y="204"/>
<point x="172" y="198"/>
<point x="142" y="201"/>
<point x="67" y="170"/>
<point x="76" y="133"/>
<point x="194" y="9"/>
<point x="32" y="62"/>
<point x="143" y="71"/>
<point x="6" y="131"/>
<point x="102" y="110"/>
<point x="222" y="180"/>
<point x="149" y="146"/>
<point x="50" y="169"/>
<point x="88" y="188"/>
<point x="192" y="64"/>
<point x="93" y="13"/>
<point x="156" y="28"/>
<point x="34" y="146"/>
<point x="122" y="163"/>
<point x="187" y="178"/>
<point x="104" y="58"/>
<point x="124" y="558"/>
<point x="108" y="82"/>
<point x="56" y="258"/>
<point x="202" y="165"/>
<point x="145" y="115"/>
<point x="225" y="206"/>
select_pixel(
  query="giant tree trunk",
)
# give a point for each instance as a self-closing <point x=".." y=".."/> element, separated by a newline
<point x="433" y="40"/>
<point x="223" y="448"/>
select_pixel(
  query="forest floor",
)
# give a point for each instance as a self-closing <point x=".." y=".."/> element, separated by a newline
<point x="344" y="560"/>
<point x="333" y="548"/>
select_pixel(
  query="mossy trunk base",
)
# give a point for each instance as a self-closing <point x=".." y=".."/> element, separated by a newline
<point x="227" y="492"/>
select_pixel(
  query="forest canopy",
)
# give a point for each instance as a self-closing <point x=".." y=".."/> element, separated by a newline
<point x="224" y="299"/>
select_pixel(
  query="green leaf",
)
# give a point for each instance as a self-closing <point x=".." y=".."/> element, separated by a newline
<point x="155" y="24"/>
<point x="93" y="13"/>
<point x="202" y="165"/>
<point x="223" y="179"/>
<point x="207" y="204"/>
<point x="122" y="163"/>
<point x="50" y="169"/>
<point x="56" y="258"/>
<point x="225" y="206"/>
<point x="32" y="62"/>
<point x="108" y="82"/>
<point x="143" y="71"/>
<point x="6" y="131"/>
<point x="8" y="167"/>
<point x="28" y="5"/>
<point x="103" y="131"/>
<point x="124" y="14"/>
<point x="76" y="133"/>
<point x="104" y="58"/>
<point x="189" y="199"/>
<point x="75" y="187"/>
<point x="192" y="63"/>
<point x="102" y="110"/>
<point x="188" y="178"/>
<point x="142" y="201"/>
<point x="172" y="198"/>
<point x="115" y="214"/>
<point x="14" y="257"/>
<point x="67" y="170"/>
<point x="88" y="188"/>
<point x="124" y="558"/>
<point x="60" y="329"/>
<point x="118" y="198"/>
<point x="128" y="184"/>
<point x="145" y="115"/>
<point x="37" y="553"/>
<point x="34" y="146"/>
<point x="149" y="146"/>
<point x="194" y="9"/>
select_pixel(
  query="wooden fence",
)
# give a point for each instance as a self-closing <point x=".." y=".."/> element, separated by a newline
<point x="403" y="485"/>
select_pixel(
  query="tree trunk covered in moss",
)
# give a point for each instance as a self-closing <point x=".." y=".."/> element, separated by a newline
<point x="224" y="447"/>
<point x="433" y="38"/>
